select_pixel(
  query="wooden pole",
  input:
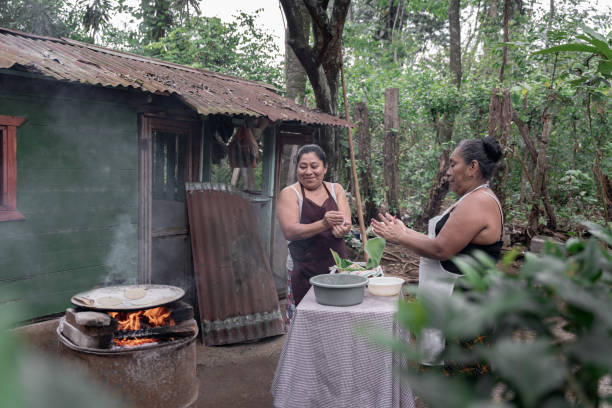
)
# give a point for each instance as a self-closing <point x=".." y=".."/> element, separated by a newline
<point x="364" y="237"/>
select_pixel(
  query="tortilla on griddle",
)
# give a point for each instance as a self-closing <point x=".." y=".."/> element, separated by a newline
<point x="108" y="301"/>
<point x="135" y="293"/>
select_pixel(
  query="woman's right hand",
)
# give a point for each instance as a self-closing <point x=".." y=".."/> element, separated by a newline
<point x="332" y="218"/>
<point x="389" y="227"/>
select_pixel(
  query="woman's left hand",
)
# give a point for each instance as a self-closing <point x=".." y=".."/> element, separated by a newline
<point x="389" y="227"/>
<point x="340" y="231"/>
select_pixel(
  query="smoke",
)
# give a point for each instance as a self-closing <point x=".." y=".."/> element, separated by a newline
<point x="122" y="259"/>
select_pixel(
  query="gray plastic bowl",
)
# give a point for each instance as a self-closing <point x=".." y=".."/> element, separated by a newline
<point x="338" y="289"/>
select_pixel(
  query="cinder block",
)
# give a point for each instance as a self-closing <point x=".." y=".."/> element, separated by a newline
<point x="81" y="339"/>
<point x="95" y="328"/>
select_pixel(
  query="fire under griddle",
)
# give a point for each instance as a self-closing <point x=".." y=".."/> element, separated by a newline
<point x="148" y="355"/>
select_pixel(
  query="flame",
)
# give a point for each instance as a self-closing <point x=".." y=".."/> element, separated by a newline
<point x="159" y="316"/>
<point x="127" y="320"/>
<point x="132" y="321"/>
<point x="133" y="342"/>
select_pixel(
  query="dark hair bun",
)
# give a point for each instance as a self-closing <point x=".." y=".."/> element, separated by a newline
<point x="492" y="148"/>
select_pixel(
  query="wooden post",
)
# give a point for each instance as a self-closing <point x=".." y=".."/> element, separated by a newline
<point x="207" y="145"/>
<point x="364" y="237"/>
<point x="390" y="148"/>
<point x="362" y="120"/>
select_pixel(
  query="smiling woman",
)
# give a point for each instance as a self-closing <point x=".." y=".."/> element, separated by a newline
<point x="314" y="216"/>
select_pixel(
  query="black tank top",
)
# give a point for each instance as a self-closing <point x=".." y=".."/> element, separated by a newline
<point x="493" y="250"/>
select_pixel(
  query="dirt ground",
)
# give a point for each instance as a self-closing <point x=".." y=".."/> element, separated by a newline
<point x="238" y="376"/>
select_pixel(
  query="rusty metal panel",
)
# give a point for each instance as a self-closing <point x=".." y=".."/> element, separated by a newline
<point x="205" y="91"/>
<point x="237" y="299"/>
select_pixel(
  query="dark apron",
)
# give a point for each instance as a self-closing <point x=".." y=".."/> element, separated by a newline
<point x="312" y="256"/>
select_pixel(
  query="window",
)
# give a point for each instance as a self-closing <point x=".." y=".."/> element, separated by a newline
<point x="8" y="168"/>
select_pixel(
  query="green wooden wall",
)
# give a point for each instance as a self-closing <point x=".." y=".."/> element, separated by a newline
<point x="77" y="182"/>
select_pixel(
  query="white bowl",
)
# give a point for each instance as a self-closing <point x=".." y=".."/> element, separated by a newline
<point x="385" y="286"/>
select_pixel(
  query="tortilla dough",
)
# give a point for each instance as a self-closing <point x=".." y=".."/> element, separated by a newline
<point x="140" y="302"/>
<point x="135" y="293"/>
<point x="108" y="301"/>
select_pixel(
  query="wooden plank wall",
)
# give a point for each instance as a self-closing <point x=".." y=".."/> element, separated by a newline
<point x="77" y="186"/>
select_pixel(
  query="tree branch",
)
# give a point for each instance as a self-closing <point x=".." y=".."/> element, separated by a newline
<point x="524" y="131"/>
<point x="321" y="28"/>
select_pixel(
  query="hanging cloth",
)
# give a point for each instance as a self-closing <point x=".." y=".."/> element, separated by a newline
<point x="243" y="150"/>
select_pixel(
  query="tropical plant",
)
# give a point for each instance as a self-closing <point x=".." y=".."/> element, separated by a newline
<point x="374" y="248"/>
<point x="545" y="331"/>
<point x="595" y="44"/>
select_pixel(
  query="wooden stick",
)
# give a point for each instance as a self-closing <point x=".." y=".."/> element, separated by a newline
<point x="364" y="237"/>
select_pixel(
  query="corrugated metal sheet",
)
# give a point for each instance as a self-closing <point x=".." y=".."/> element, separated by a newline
<point x="236" y="295"/>
<point x="205" y="91"/>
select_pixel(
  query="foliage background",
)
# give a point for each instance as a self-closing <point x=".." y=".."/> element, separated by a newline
<point x="411" y="55"/>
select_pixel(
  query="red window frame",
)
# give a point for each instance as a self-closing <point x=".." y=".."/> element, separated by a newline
<point x="8" y="167"/>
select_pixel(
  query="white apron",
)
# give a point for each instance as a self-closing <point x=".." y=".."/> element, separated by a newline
<point x="433" y="277"/>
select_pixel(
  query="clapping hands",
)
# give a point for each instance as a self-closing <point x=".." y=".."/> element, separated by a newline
<point x="389" y="227"/>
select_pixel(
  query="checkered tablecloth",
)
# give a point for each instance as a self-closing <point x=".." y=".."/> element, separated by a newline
<point x="326" y="363"/>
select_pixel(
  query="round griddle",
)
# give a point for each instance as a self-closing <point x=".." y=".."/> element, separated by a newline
<point x="113" y="297"/>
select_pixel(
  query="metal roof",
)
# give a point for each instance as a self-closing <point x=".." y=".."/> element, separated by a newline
<point x="205" y="91"/>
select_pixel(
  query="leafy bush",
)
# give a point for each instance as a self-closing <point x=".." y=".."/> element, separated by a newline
<point x="547" y="329"/>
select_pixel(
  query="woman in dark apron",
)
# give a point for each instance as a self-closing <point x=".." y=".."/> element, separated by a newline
<point x="314" y="216"/>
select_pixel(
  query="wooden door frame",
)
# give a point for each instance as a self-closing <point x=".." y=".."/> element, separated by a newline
<point x="147" y="123"/>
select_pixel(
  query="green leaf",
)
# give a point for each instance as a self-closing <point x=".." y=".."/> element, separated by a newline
<point x="593" y="33"/>
<point x="374" y="248"/>
<point x="470" y="273"/>
<point x="340" y="262"/>
<point x="412" y="316"/>
<point x="602" y="46"/>
<point x="484" y="259"/>
<point x="602" y="233"/>
<point x="511" y="256"/>
<point x="574" y="246"/>
<point x="531" y="367"/>
<point x="577" y="82"/>
<point x="605" y="67"/>
<point x="578" y="47"/>
<point x="593" y="348"/>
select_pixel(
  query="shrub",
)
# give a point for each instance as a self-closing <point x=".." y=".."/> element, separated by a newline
<point x="547" y="329"/>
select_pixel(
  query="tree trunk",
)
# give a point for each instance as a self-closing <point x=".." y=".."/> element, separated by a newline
<point x="321" y="60"/>
<point x="506" y="39"/>
<point x="524" y="180"/>
<point x="364" y="144"/>
<point x="295" y="76"/>
<point x="295" y="84"/>
<point x="455" y="41"/>
<point x="390" y="149"/>
<point x="445" y="126"/>
<point x="604" y="187"/>
<point x="539" y="180"/>
<point x="436" y="193"/>
<point x="391" y="13"/>
<point x="500" y="118"/>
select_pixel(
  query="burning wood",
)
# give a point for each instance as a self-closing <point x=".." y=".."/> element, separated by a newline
<point x="137" y="323"/>
<point x="105" y="330"/>
<point x="133" y="342"/>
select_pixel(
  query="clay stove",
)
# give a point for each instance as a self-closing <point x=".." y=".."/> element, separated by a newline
<point x="138" y="339"/>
